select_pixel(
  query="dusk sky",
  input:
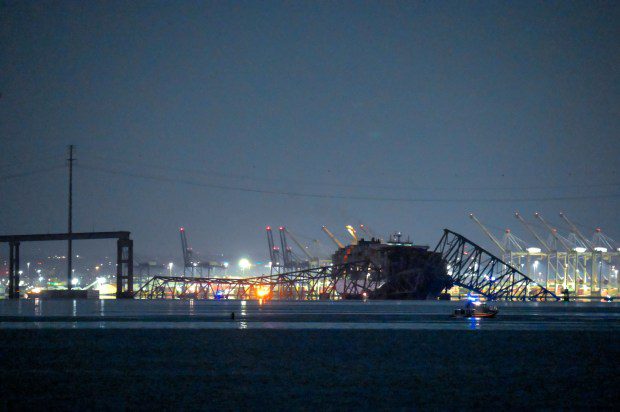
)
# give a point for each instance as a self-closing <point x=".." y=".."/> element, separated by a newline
<point x="225" y="117"/>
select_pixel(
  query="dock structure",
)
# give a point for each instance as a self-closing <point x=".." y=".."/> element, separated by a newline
<point x="563" y="262"/>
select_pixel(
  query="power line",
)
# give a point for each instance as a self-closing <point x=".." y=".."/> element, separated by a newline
<point x="346" y="197"/>
<point x="29" y="173"/>
<point x="30" y="158"/>
<point x="214" y="173"/>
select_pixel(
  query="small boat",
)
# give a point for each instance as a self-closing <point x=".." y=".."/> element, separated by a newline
<point x="476" y="310"/>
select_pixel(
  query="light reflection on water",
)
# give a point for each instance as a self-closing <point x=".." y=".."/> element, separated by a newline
<point x="192" y="314"/>
<point x="474" y="323"/>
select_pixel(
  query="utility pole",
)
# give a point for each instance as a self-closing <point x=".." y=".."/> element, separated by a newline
<point x="71" y="159"/>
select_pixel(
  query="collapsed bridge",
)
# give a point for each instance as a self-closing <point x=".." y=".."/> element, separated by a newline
<point x="474" y="268"/>
<point x="377" y="273"/>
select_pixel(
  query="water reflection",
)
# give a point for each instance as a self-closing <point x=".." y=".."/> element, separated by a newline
<point x="474" y="324"/>
<point x="295" y="315"/>
<point x="37" y="307"/>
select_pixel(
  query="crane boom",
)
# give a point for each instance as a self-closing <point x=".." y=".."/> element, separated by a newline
<point x="353" y="233"/>
<point x="488" y="233"/>
<point x="532" y="231"/>
<point x="553" y="231"/>
<point x="577" y="232"/>
<point x="366" y="230"/>
<point x="187" y="259"/>
<point x="332" y="237"/>
<point x="273" y="249"/>
<point x="286" y="250"/>
<point x="299" y="244"/>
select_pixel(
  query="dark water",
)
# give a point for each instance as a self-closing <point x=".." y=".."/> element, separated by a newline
<point x="190" y="355"/>
<point x="370" y="315"/>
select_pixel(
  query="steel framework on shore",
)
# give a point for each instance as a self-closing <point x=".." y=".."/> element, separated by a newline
<point x="586" y="267"/>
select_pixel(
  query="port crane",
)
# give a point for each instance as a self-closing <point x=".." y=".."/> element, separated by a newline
<point x="554" y="232"/>
<point x="571" y="260"/>
<point x="274" y="251"/>
<point x="369" y="232"/>
<point x="332" y="237"/>
<point x="489" y="234"/>
<point x="300" y="245"/>
<point x="600" y="241"/>
<point x="191" y="262"/>
<point x="576" y="231"/>
<point x="290" y="260"/>
<point x="532" y="231"/>
<point x="353" y="234"/>
<point x="287" y="252"/>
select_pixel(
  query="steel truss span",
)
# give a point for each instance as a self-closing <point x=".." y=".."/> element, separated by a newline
<point x="469" y="265"/>
<point x="474" y="268"/>
<point x="351" y="280"/>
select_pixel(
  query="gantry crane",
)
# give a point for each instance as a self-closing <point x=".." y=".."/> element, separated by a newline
<point x="274" y="251"/>
<point x="489" y="234"/>
<point x="570" y="266"/>
<point x="554" y="232"/>
<point x="601" y="241"/>
<point x="595" y="276"/>
<point x="191" y="262"/>
<point x="576" y="231"/>
<point x="532" y="231"/>
<point x="290" y="260"/>
<point x="299" y="245"/>
<point x="287" y="261"/>
<point x="187" y="251"/>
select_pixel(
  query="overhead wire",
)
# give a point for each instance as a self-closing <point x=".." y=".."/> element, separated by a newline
<point x="340" y="196"/>
<point x="216" y="173"/>
<point x="30" y="159"/>
<point x="29" y="173"/>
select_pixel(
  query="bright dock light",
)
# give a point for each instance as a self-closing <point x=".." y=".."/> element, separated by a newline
<point x="244" y="264"/>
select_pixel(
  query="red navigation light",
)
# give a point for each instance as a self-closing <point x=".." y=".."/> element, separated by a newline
<point x="182" y="229"/>
<point x="598" y="230"/>
<point x="268" y="228"/>
<point x="281" y="227"/>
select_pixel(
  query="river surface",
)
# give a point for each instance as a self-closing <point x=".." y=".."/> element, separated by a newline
<point x="201" y="314"/>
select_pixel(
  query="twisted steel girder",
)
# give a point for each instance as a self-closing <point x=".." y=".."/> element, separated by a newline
<point x="326" y="282"/>
<point x="478" y="270"/>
